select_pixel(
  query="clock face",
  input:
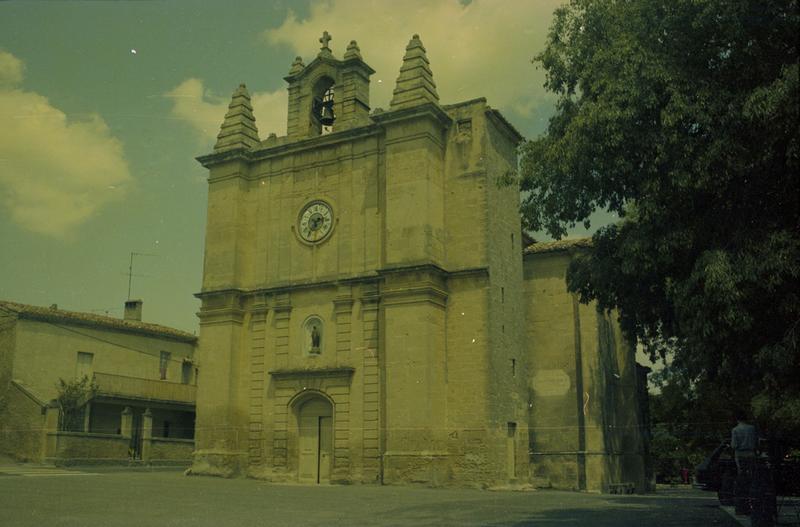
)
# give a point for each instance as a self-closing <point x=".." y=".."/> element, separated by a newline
<point x="316" y="221"/>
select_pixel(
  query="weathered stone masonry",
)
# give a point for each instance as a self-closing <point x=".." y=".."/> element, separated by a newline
<point x="367" y="312"/>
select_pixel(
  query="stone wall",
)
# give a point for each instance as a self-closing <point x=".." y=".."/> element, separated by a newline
<point x="170" y="451"/>
<point x="46" y="352"/>
<point x="22" y="423"/>
<point x="86" y="448"/>
<point x="79" y="448"/>
<point x="586" y="427"/>
<point x="436" y="353"/>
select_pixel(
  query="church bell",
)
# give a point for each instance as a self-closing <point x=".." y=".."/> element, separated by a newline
<point x="326" y="116"/>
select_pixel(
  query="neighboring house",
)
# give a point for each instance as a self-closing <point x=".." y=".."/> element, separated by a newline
<point x="145" y="378"/>
<point x="371" y="311"/>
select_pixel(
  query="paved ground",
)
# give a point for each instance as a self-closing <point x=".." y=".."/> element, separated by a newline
<point x="37" y="496"/>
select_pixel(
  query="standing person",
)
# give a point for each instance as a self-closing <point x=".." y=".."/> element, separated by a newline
<point x="744" y="440"/>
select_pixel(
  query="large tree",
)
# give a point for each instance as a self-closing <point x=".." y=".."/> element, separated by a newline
<point x="681" y="117"/>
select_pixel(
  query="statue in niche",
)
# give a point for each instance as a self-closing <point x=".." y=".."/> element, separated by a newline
<point x="315" y="338"/>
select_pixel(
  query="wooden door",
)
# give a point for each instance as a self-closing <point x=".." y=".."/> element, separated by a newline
<point x="325" y="448"/>
<point x="315" y="441"/>
<point x="511" y="450"/>
<point x="309" y="449"/>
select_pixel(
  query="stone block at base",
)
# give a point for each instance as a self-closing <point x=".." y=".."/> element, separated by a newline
<point x="224" y="464"/>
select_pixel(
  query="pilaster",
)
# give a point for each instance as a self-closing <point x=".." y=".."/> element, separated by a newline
<point x="415" y="179"/>
<point x="259" y="312"/>
<point x="221" y="423"/>
<point x="414" y="312"/>
<point x="147" y="435"/>
<point x="371" y="384"/>
<point x="343" y="312"/>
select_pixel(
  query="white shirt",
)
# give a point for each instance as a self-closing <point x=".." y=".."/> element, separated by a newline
<point x="744" y="437"/>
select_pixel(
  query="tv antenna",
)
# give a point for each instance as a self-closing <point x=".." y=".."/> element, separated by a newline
<point x="130" y="271"/>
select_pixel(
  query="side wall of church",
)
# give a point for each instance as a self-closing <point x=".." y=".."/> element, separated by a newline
<point x="486" y="405"/>
<point x="585" y="424"/>
<point x="483" y="231"/>
<point x="555" y="404"/>
<point x="508" y="397"/>
<point x="622" y="417"/>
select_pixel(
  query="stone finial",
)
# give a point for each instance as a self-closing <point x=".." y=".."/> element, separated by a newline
<point x="353" y="51"/>
<point x="415" y="84"/>
<point x="238" y="130"/>
<point x="324" y="40"/>
<point x="297" y="66"/>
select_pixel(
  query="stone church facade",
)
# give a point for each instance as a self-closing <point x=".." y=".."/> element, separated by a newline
<point x="370" y="313"/>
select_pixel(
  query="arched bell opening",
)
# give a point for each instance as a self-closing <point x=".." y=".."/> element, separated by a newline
<point x="323" y="114"/>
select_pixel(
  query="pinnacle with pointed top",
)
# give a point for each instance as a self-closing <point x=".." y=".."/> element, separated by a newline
<point x="238" y="130"/>
<point x="415" y="84"/>
<point x="353" y="51"/>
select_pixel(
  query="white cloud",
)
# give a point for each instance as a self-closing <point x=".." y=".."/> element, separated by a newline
<point x="204" y="111"/>
<point x="483" y="48"/>
<point x="55" y="173"/>
<point x="10" y="69"/>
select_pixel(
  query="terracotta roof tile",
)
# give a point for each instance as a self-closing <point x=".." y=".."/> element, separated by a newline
<point x="90" y="319"/>
<point x="558" y="245"/>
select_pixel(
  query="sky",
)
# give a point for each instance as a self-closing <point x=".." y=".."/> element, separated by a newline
<point x="104" y="106"/>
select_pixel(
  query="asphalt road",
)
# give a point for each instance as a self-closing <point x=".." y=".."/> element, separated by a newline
<point x="118" y="497"/>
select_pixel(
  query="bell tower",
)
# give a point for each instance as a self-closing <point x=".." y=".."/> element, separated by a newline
<point x="363" y="316"/>
<point x="328" y="94"/>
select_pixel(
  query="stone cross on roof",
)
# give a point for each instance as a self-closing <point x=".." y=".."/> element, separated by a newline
<point x="324" y="39"/>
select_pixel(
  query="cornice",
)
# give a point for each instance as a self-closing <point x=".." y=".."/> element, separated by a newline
<point x="260" y="153"/>
<point x="430" y="110"/>
<point x="412" y="268"/>
<point x="375" y="276"/>
<point x="221" y="316"/>
<point x="345" y="371"/>
<point x="219" y="292"/>
<point x="414" y="295"/>
<point x="333" y="138"/>
<point x="503" y="125"/>
<point x="225" y="156"/>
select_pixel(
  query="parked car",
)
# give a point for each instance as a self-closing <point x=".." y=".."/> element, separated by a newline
<point x="715" y="468"/>
<point x="717" y="472"/>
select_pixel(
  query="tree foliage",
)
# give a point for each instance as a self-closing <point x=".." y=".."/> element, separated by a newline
<point x="72" y="398"/>
<point x="681" y="117"/>
<point x="687" y="423"/>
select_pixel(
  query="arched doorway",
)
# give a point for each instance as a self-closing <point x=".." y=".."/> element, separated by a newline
<point x="315" y="424"/>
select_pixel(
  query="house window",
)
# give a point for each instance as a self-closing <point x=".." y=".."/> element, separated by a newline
<point x="163" y="363"/>
<point x="84" y="367"/>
